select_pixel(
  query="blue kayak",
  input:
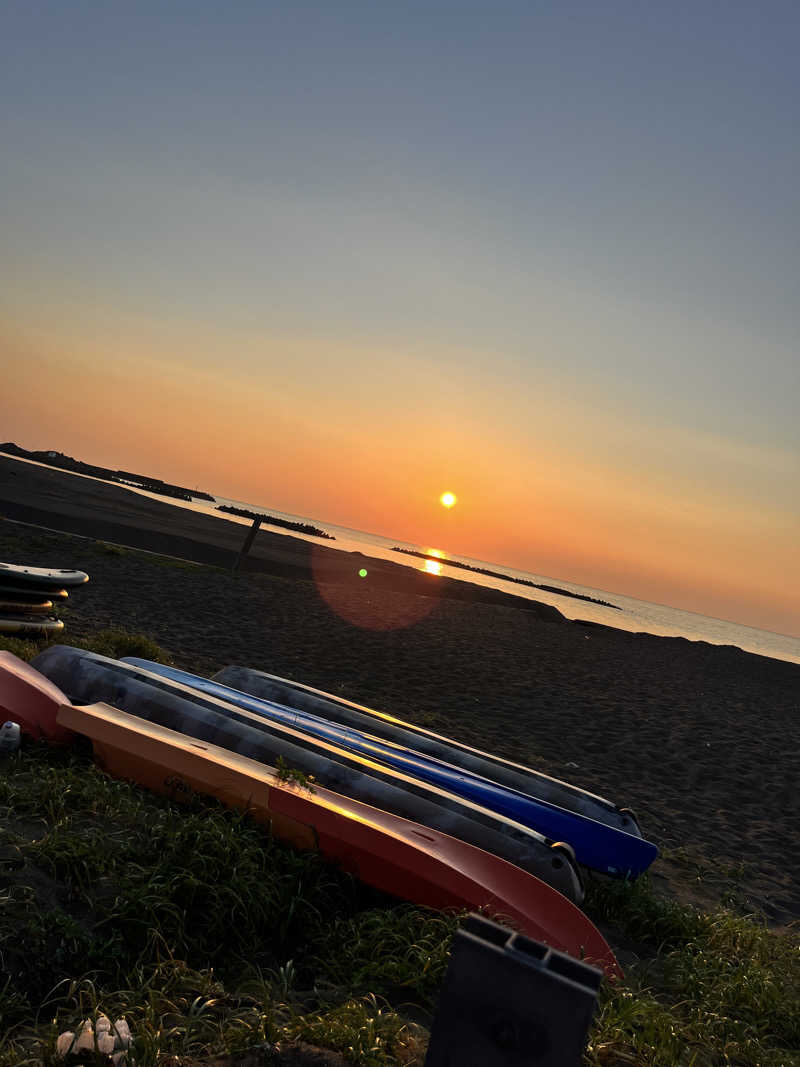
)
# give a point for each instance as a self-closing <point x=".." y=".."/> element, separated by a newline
<point x="596" y="845"/>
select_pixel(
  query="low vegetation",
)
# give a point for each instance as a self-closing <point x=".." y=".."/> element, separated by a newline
<point x="113" y="642"/>
<point x="212" y="939"/>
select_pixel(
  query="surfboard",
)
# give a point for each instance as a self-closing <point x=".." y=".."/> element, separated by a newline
<point x="31" y="625"/>
<point x="42" y="576"/>
<point x="20" y="607"/>
<point x="597" y="845"/>
<point x="90" y="678"/>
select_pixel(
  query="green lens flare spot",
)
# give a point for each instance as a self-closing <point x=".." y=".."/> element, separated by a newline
<point x="362" y="573"/>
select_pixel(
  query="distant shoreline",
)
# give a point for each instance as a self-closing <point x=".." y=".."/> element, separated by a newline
<point x="505" y="577"/>
<point x="58" y="461"/>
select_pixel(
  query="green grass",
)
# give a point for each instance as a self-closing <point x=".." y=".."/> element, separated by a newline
<point x="109" y="549"/>
<point x="212" y="938"/>
<point x="713" y="988"/>
<point x="206" y="933"/>
<point x="114" y="642"/>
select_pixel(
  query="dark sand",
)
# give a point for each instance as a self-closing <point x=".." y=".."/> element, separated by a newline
<point x="702" y="741"/>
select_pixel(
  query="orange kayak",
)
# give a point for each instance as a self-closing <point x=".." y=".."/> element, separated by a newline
<point x="386" y="851"/>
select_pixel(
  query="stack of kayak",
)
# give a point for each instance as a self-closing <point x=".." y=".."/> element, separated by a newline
<point x="416" y="814"/>
<point x="28" y="596"/>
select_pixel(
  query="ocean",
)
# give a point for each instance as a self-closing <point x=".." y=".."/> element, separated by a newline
<point x="637" y="616"/>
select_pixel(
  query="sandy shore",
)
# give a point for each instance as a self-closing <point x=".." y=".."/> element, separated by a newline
<point x="701" y="741"/>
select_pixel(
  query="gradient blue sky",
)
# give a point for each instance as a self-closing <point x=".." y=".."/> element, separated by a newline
<point x="335" y="258"/>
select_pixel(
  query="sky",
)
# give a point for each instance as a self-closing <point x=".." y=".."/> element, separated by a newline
<point x="337" y="258"/>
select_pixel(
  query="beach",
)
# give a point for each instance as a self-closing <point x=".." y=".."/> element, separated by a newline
<point x="700" y="740"/>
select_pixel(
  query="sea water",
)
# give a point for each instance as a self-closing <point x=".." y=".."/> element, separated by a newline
<point x="637" y="616"/>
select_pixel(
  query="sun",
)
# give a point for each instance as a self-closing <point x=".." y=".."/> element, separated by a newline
<point x="448" y="499"/>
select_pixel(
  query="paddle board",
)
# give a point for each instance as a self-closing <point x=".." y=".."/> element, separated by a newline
<point x="30" y="625"/>
<point x="394" y="855"/>
<point x="514" y="775"/>
<point x="20" y="607"/>
<point x="596" y="845"/>
<point x="41" y="576"/>
<point x="88" y="678"/>
<point x="31" y="594"/>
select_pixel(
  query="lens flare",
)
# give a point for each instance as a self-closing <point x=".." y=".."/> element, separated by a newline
<point x="362" y="573"/>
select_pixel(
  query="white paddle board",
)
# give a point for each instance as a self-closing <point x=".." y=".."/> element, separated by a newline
<point x="41" y="576"/>
<point x="19" y="607"/>
<point x="30" y="594"/>
<point x="29" y="624"/>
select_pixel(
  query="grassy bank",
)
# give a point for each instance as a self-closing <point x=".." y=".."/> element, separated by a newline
<point x="216" y="941"/>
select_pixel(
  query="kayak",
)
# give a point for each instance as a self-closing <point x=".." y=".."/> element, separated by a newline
<point x="88" y="678"/>
<point x="392" y="854"/>
<point x="597" y="845"/>
<point x="495" y="768"/>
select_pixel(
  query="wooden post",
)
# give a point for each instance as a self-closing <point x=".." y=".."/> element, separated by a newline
<point x="248" y="541"/>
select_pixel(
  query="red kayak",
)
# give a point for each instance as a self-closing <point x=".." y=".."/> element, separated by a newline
<point x="386" y="851"/>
